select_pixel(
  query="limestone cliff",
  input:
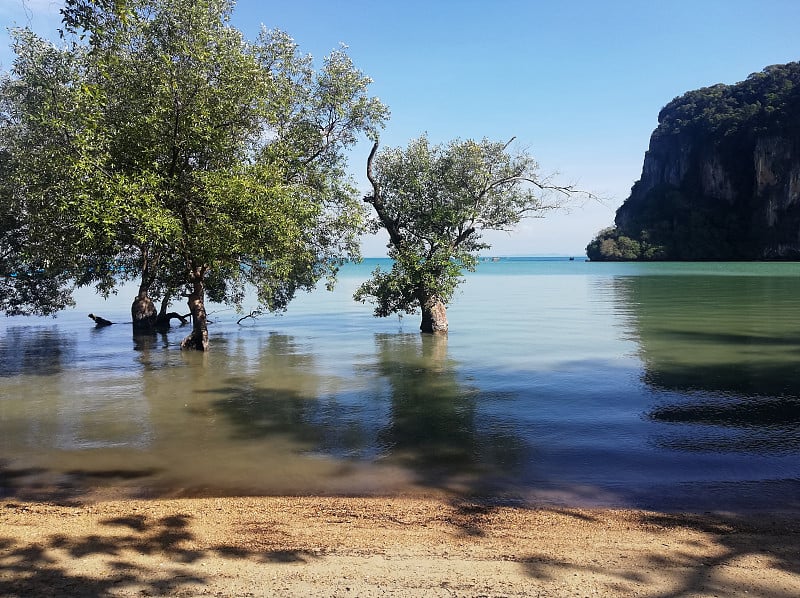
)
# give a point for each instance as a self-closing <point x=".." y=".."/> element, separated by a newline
<point x="721" y="178"/>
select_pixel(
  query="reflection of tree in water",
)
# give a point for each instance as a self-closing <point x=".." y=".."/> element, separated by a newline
<point x="34" y="351"/>
<point x="729" y="345"/>
<point x="149" y="344"/>
<point x="420" y="416"/>
<point x="279" y="398"/>
<point x="434" y="425"/>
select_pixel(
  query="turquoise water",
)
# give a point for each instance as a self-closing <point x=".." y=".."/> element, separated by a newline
<point x="670" y="386"/>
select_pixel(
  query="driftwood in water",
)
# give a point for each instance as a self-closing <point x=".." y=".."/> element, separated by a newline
<point x="253" y="314"/>
<point x="100" y="322"/>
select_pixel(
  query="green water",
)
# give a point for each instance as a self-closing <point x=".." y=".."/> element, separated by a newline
<point x="654" y="385"/>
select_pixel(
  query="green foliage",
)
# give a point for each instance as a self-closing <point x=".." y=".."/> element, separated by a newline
<point x="43" y="135"/>
<point x="766" y="102"/>
<point x="610" y="245"/>
<point x="412" y="280"/>
<point x="163" y="145"/>
<point x="434" y="201"/>
<point x="29" y="283"/>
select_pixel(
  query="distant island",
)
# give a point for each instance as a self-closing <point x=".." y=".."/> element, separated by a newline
<point x="721" y="179"/>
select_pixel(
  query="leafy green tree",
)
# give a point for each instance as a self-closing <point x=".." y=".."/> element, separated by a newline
<point x="611" y="245"/>
<point x="42" y="254"/>
<point x="206" y="163"/>
<point x="434" y="201"/>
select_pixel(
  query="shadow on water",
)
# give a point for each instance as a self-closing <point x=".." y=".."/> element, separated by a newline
<point x="279" y="400"/>
<point x="415" y="414"/>
<point x="146" y="343"/>
<point x="34" y="351"/>
<point x="723" y="354"/>
<point x="63" y="487"/>
<point x="434" y="428"/>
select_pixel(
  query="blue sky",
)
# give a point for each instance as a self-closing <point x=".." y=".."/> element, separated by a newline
<point x="579" y="83"/>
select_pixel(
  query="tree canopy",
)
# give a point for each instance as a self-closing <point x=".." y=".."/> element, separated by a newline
<point x="767" y="101"/>
<point x="434" y="201"/>
<point x="164" y="146"/>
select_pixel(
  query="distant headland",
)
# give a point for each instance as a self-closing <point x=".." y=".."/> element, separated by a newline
<point x="721" y="179"/>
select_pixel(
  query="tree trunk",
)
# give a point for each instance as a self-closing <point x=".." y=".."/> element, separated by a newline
<point x="164" y="319"/>
<point x="198" y="339"/>
<point x="143" y="313"/>
<point x="434" y="316"/>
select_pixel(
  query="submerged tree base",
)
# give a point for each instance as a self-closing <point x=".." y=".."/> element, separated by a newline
<point x="434" y="317"/>
<point x="195" y="342"/>
<point x="143" y="313"/>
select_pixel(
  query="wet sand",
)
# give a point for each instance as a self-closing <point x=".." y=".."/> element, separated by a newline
<point x="432" y="546"/>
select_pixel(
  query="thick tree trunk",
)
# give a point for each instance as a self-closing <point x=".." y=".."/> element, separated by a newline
<point x="143" y="313"/>
<point x="198" y="339"/>
<point x="434" y="316"/>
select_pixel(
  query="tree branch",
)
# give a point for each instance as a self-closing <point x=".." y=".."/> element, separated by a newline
<point x="253" y="314"/>
<point x="376" y="192"/>
<point x="392" y="226"/>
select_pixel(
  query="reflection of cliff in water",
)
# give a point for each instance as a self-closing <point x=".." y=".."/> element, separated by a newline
<point x="724" y="349"/>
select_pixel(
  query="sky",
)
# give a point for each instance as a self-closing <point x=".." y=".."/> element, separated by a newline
<point x="578" y="83"/>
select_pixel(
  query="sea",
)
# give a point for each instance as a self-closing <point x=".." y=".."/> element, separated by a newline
<point x="669" y="386"/>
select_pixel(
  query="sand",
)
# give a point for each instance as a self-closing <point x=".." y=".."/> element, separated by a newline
<point x="312" y="546"/>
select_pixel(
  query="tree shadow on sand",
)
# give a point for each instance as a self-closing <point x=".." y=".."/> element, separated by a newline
<point x="153" y="551"/>
<point x="698" y="565"/>
<point x="51" y="565"/>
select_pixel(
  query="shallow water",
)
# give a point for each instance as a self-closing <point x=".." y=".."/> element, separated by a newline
<point x="670" y="386"/>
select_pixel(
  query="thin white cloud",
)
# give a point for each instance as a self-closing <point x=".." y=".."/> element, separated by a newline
<point x="31" y="9"/>
<point x="42" y="16"/>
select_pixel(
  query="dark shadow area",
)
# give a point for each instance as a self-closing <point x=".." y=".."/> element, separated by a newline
<point x="12" y="480"/>
<point x="38" y="569"/>
<point x="756" y="378"/>
<point x="729" y="347"/>
<point x="755" y="425"/>
<point x="745" y="413"/>
<point x="725" y="542"/>
<point x="434" y="426"/>
<point x="286" y="406"/>
<point x="63" y="487"/>
<point x="260" y="412"/>
<point x="34" y="351"/>
<point x="147" y="343"/>
<point x="94" y="476"/>
<point x="471" y="517"/>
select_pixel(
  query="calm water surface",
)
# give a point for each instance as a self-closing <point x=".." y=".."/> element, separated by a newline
<point x="672" y="386"/>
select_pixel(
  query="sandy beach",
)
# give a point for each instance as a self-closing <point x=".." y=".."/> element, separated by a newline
<point x="312" y="546"/>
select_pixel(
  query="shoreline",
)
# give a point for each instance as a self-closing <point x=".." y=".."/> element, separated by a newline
<point x="398" y="546"/>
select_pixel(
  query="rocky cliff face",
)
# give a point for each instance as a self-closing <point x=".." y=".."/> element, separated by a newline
<point x="721" y="178"/>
